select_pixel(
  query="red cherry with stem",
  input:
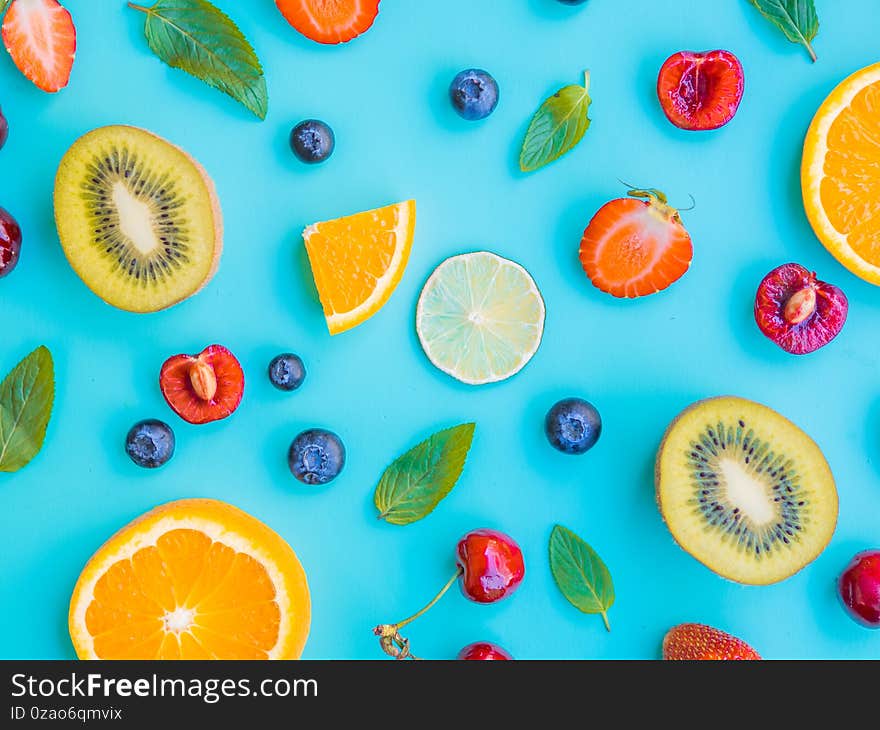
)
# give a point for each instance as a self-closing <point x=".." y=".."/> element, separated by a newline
<point x="859" y="588"/>
<point x="491" y="567"/>
<point x="10" y="242"/>
<point x="483" y="651"/>
<point x="797" y="311"/>
<point x="700" y="91"/>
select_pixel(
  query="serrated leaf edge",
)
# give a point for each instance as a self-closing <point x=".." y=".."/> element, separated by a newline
<point x="567" y="538"/>
<point x="38" y="353"/>
<point x="392" y="514"/>
<point x="547" y="160"/>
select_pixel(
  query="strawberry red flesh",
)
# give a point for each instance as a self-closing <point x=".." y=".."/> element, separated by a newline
<point x="797" y="311"/>
<point x="204" y="387"/>
<point x="635" y="246"/>
<point x="700" y="91"/>
<point x="330" y="21"/>
<point x="698" y="642"/>
<point x="41" y="39"/>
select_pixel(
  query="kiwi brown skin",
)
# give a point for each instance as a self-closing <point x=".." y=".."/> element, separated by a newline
<point x="216" y="214"/>
<point x="666" y="522"/>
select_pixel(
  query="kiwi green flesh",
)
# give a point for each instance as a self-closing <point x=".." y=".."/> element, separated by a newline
<point x="745" y="491"/>
<point x="137" y="217"/>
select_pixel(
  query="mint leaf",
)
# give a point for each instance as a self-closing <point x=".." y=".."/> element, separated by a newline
<point x="415" y="483"/>
<point x="26" y="397"/>
<point x="580" y="573"/>
<point x="558" y="125"/>
<point x="797" y="19"/>
<point x="199" y="38"/>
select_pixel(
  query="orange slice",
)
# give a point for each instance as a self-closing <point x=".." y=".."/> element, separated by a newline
<point x="192" y="579"/>
<point x="358" y="261"/>
<point x="840" y="173"/>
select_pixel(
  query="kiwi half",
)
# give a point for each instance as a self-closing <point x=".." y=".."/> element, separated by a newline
<point x="745" y="491"/>
<point x="138" y="218"/>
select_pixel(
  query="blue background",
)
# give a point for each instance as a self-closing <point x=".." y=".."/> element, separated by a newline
<point x="639" y="361"/>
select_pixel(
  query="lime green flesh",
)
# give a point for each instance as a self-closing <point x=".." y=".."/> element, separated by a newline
<point x="480" y="317"/>
<point x="745" y="491"/>
<point x="137" y="218"/>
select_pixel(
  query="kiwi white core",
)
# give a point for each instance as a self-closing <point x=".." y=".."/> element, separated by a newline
<point x="135" y="219"/>
<point x="747" y="493"/>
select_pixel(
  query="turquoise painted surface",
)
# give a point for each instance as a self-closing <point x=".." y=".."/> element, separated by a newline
<point x="640" y="362"/>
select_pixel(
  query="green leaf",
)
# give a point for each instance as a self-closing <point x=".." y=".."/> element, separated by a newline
<point x="797" y="19"/>
<point x="580" y="573"/>
<point x="415" y="483"/>
<point x="26" y="397"/>
<point x="197" y="37"/>
<point x="557" y="126"/>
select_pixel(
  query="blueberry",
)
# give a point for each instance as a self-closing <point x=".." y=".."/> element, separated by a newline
<point x="572" y="2"/>
<point x="474" y="94"/>
<point x="316" y="456"/>
<point x="150" y="443"/>
<point x="287" y="371"/>
<point x="312" y="141"/>
<point x="573" y="426"/>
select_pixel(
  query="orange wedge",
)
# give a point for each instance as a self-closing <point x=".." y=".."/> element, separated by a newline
<point x="357" y="261"/>
<point x="192" y="579"/>
<point x="840" y="173"/>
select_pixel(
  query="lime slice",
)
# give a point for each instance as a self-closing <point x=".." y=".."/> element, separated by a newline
<point x="480" y="317"/>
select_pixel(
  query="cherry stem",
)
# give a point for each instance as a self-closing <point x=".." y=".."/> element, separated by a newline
<point x="401" y="624"/>
<point x="392" y="642"/>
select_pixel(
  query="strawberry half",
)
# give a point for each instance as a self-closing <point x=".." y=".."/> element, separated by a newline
<point x="636" y="246"/>
<point x="330" y="21"/>
<point x="697" y="642"/>
<point x="41" y="39"/>
<point x="700" y="91"/>
<point x="204" y="387"/>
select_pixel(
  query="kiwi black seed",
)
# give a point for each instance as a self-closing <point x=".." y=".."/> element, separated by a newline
<point x="158" y="192"/>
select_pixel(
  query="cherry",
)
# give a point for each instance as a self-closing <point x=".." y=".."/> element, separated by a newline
<point x="10" y="242"/>
<point x="797" y="311"/>
<point x="859" y="588"/>
<point x="4" y="129"/>
<point x="490" y="566"/>
<point x="483" y="651"/>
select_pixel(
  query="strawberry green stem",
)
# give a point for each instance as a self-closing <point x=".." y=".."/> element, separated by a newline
<point x="605" y="619"/>
<point x="587" y="80"/>
<point x="138" y="7"/>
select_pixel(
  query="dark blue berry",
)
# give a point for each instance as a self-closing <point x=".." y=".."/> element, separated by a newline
<point x="150" y="443"/>
<point x="312" y="141"/>
<point x="287" y="371"/>
<point x="573" y="426"/>
<point x="316" y="456"/>
<point x="572" y="2"/>
<point x="474" y="94"/>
